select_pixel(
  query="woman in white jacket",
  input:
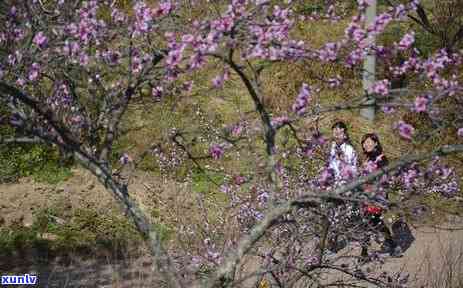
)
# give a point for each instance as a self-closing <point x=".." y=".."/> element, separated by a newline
<point x="342" y="159"/>
<point x="342" y="165"/>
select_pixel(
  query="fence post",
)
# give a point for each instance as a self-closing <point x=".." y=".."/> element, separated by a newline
<point x="369" y="67"/>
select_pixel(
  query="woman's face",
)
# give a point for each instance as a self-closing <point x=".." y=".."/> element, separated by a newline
<point x="338" y="134"/>
<point x="369" y="145"/>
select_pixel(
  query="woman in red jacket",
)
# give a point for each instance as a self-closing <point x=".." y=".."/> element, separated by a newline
<point x="374" y="160"/>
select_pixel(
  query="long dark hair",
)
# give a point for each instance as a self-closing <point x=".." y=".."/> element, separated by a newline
<point x="343" y="126"/>
<point x="377" y="151"/>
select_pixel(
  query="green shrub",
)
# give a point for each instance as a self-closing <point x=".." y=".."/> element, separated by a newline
<point x="38" y="161"/>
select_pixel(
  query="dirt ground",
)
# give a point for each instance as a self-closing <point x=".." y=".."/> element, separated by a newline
<point x="427" y="260"/>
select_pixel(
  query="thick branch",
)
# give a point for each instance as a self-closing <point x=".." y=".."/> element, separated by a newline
<point x="162" y="259"/>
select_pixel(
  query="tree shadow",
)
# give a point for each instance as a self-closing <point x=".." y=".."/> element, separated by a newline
<point x="402" y="234"/>
<point x="72" y="270"/>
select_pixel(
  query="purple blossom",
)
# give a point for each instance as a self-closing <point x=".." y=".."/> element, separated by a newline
<point x="405" y="130"/>
<point x="34" y="72"/>
<point x="40" y="40"/>
<point x="117" y="16"/>
<point x="125" y="158"/>
<point x="407" y="41"/>
<point x="355" y="57"/>
<point x="400" y="12"/>
<point x="111" y="57"/>
<point x="174" y="57"/>
<point x="380" y="87"/>
<point x="335" y="82"/>
<point x="239" y="180"/>
<point x="237" y="130"/>
<point x="157" y="92"/>
<point x="225" y="188"/>
<point x="347" y="172"/>
<point x="187" y="86"/>
<point x="326" y="177"/>
<point x="144" y="18"/>
<point x="380" y="23"/>
<point x="363" y="4"/>
<point x="197" y="60"/>
<point x="71" y="48"/>
<point x="188" y="38"/>
<point x="329" y="52"/>
<point x="279" y="121"/>
<point x="355" y="32"/>
<point x="219" y="80"/>
<point x="18" y="34"/>
<point x="84" y="59"/>
<point x="13" y="11"/>
<point x="20" y="82"/>
<point x="302" y="99"/>
<point x="421" y="103"/>
<point x="164" y="9"/>
<point x="387" y="109"/>
<point x="216" y="151"/>
<point x="460" y="132"/>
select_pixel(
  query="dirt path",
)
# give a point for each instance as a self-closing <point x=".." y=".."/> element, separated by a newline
<point x="435" y="259"/>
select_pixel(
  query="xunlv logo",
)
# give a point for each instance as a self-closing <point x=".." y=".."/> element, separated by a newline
<point x="18" y="280"/>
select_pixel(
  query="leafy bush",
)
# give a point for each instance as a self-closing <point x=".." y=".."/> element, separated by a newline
<point x="85" y="230"/>
<point x="39" y="161"/>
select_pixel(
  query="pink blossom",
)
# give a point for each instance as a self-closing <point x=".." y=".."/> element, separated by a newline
<point x="18" y="34"/>
<point x="335" y="82"/>
<point x="407" y="41"/>
<point x="111" y="57"/>
<point x="157" y="92"/>
<point x="71" y="48"/>
<point x="188" y="38"/>
<point x="20" y="82"/>
<point x="329" y="52"/>
<point x="219" y="80"/>
<point x="363" y="4"/>
<point x="40" y="40"/>
<point x="279" y="121"/>
<point x="83" y="59"/>
<point x="239" y="180"/>
<point x="165" y="8"/>
<point x="125" y="158"/>
<point x="460" y="132"/>
<point x="380" y="87"/>
<point x="405" y="130"/>
<point x="381" y="21"/>
<point x="326" y="177"/>
<point x="387" y="109"/>
<point x="216" y="151"/>
<point x="187" y="86"/>
<point x="34" y="72"/>
<point x="302" y="99"/>
<point x="144" y="18"/>
<point x="355" y="57"/>
<point x="174" y="57"/>
<point x="347" y="172"/>
<point x="420" y="103"/>
<point x="237" y="130"/>
<point x="117" y="15"/>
